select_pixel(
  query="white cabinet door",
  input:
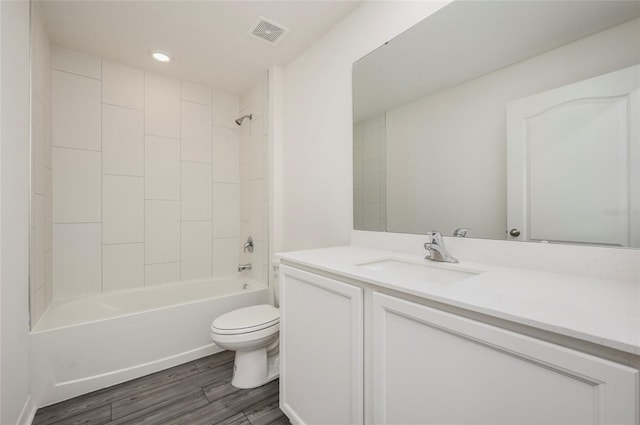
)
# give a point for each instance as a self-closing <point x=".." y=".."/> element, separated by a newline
<point x="432" y="367"/>
<point x="321" y="349"/>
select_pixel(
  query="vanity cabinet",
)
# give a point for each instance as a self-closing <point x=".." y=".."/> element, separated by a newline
<point x="433" y="367"/>
<point x="424" y="365"/>
<point x="321" y="349"/>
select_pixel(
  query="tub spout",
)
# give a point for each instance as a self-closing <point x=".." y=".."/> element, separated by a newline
<point x="243" y="267"/>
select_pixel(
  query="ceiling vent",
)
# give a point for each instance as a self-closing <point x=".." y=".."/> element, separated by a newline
<point x="268" y="31"/>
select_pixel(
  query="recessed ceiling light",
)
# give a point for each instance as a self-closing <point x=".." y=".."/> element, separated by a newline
<point x="160" y="56"/>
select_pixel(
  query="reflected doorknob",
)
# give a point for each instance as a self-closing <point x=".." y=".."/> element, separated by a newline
<point x="514" y="232"/>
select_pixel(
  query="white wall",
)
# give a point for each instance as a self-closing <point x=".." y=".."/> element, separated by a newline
<point x="317" y="176"/>
<point x="146" y="177"/>
<point x="14" y="213"/>
<point x="432" y="156"/>
<point x="370" y="174"/>
<point x="41" y="248"/>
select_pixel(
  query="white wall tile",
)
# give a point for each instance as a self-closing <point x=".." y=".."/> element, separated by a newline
<point x="77" y="260"/>
<point x="357" y="168"/>
<point x="122" y="209"/>
<point x="196" y="93"/>
<point x="358" y="210"/>
<point x="122" y="85"/>
<point x="48" y="141"/>
<point x="371" y="181"/>
<point x="226" y="151"/>
<point x="226" y="205"/>
<point x="76" y="186"/>
<point x="161" y="273"/>
<point x="196" y="249"/>
<point x="38" y="140"/>
<point x="196" y="193"/>
<point x="256" y="150"/>
<point x="122" y="141"/>
<point x="245" y="194"/>
<point x="162" y="106"/>
<point x="226" y="257"/>
<point x="76" y="111"/>
<point x="245" y="101"/>
<point x="257" y="203"/>
<point x="371" y="216"/>
<point x="196" y="141"/>
<point x="257" y="260"/>
<point x="245" y="144"/>
<point x="68" y="60"/>
<point x="162" y="231"/>
<point x="37" y="249"/>
<point x="226" y="109"/>
<point x="37" y="304"/>
<point x="48" y="275"/>
<point x="162" y="168"/>
<point x="370" y="138"/>
<point x="122" y="266"/>
<point x="48" y="210"/>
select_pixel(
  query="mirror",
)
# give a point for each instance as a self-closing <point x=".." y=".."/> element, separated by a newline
<point x="516" y="120"/>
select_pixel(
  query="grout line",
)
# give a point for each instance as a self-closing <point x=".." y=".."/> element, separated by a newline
<point x="81" y="149"/>
<point x="122" y="175"/>
<point x="79" y="75"/>
<point x="196" y="162"/>
<point x="79" y="222"/>
<point x="122" y="243"/>
<point x="162" y="262"/>
<point x="123" y="107"/>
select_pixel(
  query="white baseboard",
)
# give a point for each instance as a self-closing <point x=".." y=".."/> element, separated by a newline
<point x="28" y="412"/>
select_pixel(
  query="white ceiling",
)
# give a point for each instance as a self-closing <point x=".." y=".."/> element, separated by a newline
<point x="208" y="40"/>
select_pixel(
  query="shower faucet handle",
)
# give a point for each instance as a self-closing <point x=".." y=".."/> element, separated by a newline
<point x="248" y="245"/>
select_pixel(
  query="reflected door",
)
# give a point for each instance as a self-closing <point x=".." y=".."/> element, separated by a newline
<point x="573" y="162"/>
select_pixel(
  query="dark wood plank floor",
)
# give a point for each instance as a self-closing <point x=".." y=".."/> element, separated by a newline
<point x="193" y="393"/>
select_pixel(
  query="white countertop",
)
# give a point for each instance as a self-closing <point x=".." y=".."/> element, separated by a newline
<point x="604" y="312"/>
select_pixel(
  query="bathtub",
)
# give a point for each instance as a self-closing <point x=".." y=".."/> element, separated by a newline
<point x="84" y="344"/>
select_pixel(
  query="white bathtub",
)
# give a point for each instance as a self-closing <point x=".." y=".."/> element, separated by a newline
<point x="88" y="343"/>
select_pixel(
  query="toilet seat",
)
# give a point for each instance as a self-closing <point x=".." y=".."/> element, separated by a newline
<point x="246" y="320"/>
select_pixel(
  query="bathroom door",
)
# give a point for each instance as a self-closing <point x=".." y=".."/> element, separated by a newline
<point x="573" y="162"/>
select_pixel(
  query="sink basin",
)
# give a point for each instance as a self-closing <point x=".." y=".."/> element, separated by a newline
<point x="408" y="270"/>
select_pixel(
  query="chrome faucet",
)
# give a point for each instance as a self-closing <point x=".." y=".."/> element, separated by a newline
<point x="461" y="232"/>
<point x="436" y="249"/>
<point x="243" y="267"/>
<point x="248" y="245"/>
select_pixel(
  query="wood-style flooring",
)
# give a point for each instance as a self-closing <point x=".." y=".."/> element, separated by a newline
<point x="194" y="393"/>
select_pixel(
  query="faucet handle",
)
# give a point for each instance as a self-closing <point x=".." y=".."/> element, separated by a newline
<point x="434" y="238"/>
<point x="248" y="245"/>
<point x="461" y="232"/>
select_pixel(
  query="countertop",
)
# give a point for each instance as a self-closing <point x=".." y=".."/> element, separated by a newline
<point x="600" y="311"/>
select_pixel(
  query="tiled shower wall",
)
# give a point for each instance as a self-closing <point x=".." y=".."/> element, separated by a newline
<point x="253" y="178"/>
<point x="369" y="174"/>
<point x="41" y="266"/>
<point x="146" y="180"/>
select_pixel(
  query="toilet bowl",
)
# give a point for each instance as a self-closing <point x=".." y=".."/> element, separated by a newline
<point x="252" y="332"/>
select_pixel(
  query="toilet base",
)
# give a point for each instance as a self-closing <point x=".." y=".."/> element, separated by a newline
<point x="254" y="368"/>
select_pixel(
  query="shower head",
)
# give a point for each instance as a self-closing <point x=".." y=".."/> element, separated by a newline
<point x="239" y="120"/>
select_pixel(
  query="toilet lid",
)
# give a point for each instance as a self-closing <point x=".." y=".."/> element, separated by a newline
<point x="248" y="319"/>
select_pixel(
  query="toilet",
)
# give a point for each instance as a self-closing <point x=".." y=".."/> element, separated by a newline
<point x="253" y="333"/>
